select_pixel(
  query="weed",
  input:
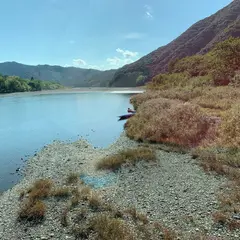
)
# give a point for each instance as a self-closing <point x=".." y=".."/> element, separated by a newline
<point x="32" y="211"/>
<point x="40" y="189"/>
<point x="61" y="192"/>
<point x="72" y="178"/>
<point x="64" y="218"/>
<point x="108" y="228"/>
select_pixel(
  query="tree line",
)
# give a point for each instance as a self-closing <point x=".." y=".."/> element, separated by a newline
<point x="10" y="84"/>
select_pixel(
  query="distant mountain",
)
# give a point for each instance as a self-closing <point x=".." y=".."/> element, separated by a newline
<point x="198" y="39"/>
<point x="67" y="76"/>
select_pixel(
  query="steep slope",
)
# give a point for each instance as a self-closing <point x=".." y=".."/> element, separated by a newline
<point x="198" y="39"/>
<point x="69" y="76"/>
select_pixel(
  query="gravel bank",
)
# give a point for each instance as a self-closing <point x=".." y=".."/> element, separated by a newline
<point x="54" y="161"/>
<point x="174" y="190"/>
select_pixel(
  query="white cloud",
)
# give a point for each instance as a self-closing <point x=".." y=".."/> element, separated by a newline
<point x="126" y="58"/>
<point x="116" y="62"/>
<point x="79" y="62"/>
<point x="133" y="35"/>
<point x="127" y="53"/>
<point x="148" y="11"/>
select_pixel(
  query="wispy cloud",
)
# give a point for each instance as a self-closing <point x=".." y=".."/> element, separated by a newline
<point x="127" y="53"/>
<point x="79" y="62"/>
<point x="134" y="35"/>
<point x="148" y="11"/>
<point x="124" y="57"/>
<point x="116" y="62"/>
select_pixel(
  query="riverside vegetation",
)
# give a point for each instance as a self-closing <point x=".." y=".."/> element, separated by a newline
<point x="10" y="84"/>
<point x="197" y="105"/>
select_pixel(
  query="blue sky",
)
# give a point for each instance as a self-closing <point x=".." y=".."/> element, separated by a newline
<point x="100" y="34"/>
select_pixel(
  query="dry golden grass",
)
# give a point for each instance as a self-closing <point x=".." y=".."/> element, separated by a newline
<point x="94" y="202"/>
<point x="61" y="192"/>
<point x="220" y="218"/>
<point x="230" y="128"/>
<point x="32" y="210"/>
<point x="40" y="189"/>
<point x="168" y="121"/>
<point x="114" y="162"/>
<point x="108" y="228"/>
<point x="85" y="193"/>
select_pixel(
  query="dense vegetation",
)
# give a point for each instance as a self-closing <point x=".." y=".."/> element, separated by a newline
<point x="66" y="76"/>
<point x="10" y="84"/>
<point x="198" y="39"/>
<point x="197" y="105"/>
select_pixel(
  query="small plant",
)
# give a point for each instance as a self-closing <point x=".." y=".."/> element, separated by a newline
<point x="40" y="189"/>
<point x="220" y="218"/>
<point x="72" y="178"/>
<point x="21" y="195"/>
<point x="85" y="193"/>
<point x="81" y="215"/>
<point x="107" y="228"/>
<point x="94" y="202"/>
<point x="32" y="211"/>
<point x="81" y="232"/>
<point x="62" y="192"/>
<point x="64" y="218"/>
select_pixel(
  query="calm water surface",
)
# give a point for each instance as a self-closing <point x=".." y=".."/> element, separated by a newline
<point x="28" y="122"/>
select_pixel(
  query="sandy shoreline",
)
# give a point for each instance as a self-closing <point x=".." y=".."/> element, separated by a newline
<point x="170" y="191"/>
<point x="77" y="90"/>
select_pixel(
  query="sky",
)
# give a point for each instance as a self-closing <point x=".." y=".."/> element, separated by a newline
<point x="100" y="34"/>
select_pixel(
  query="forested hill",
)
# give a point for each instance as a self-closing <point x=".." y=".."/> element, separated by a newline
<point x="67" y="76"/>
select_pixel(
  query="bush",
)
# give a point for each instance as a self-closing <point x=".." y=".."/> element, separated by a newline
<point x="108" y="228"/>
<point x="72" y="178"/>
<point x="40" y="189"/>
<point x="61" y="192"/>
<point x="32" y="211"/>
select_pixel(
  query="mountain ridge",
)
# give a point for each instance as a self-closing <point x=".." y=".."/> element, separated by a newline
<point x="197" y="39"/>
<point x="67" y="76"/>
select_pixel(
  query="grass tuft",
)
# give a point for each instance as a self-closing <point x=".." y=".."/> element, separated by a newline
<point x="108" y="228"/>
<point x="72" y="178"/>
<point x="32" y="211"/>
<point x="132" y="156"/>
<point x="61" y="192"/>
<point x="40" y="189"/>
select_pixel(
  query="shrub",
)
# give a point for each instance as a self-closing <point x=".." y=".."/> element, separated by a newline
<point x="72" y="178"/>
<point x="40" y="189"/>
<point x="108" y="228"/>
<point x="61" y="192"/>
<point x="114" y="162"/>
<point x="32" y="211"/>
<point x="95" y="202"/>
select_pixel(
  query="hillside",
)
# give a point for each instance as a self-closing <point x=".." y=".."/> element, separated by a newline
<point x="67" y="76"/>
<point x="198" y="39"/>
